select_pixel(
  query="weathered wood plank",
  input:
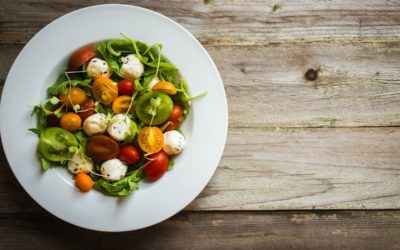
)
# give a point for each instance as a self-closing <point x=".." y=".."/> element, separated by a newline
<point x="268" y="169"/>
<point x="306" y="169"/>
<point x="357" y="84"/>
<point x="246" y="230"/>
<point x="240" y="22"/>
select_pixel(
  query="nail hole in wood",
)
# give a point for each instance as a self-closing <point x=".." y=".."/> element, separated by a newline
<point x="311" y="75"/>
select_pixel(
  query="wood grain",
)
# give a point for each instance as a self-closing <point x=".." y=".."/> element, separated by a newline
<point x="246" y="230"/>
<point x="357" y="85"/>
<point x="239" y="22"/>
<point x="275" y="169"/>
<point x="332" y="143"/>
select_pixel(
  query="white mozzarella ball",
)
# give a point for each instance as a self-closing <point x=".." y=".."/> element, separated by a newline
<point x="119" y="127"/>
<point x="174" y="142"/>
<point x="131" y="67"/>
<point x="78" y="164"/>
<point x="98" y="67"/>
<point x="95" y="124"/>
<point x="113" y="170"/>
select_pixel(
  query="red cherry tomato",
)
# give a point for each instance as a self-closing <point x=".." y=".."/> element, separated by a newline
<point x="81" y="56"/>
<point x="126" y="87"/>
<point x="129" y="154"/>
<point x="87" y="109"/>
<point x="156" y="166"/>
<point x="177" y="113"/>
<point x="53" y="121"/>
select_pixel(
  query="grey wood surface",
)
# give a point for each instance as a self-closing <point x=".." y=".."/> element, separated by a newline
<point x="293" y="143"/>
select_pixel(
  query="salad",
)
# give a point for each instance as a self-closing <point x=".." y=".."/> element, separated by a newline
<point x="113" y="116"/>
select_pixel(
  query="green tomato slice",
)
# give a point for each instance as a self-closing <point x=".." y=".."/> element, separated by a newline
<point x="57" y="144"/>
<point x="154" y="103"/>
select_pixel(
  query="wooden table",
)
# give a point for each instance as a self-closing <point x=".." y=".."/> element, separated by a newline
<point x="313" y="153"/>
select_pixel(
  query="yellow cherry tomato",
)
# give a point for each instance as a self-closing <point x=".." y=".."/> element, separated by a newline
<point x="70" y="122"/>
<point x="165" y="87"/>
<point x="122" y="103"/>
<point x="73" y="96"/>
<point x="151" y="139"/>
<point x="105" y="90"/>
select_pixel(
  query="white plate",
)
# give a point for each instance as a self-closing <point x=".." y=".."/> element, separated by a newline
<point x="36" y="68"/>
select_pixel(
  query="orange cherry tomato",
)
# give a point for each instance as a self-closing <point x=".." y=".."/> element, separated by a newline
<point x="121" y="104"/>
<point x="105" y="90"/>
<point x="151" y="139"/>
<point x="165" y="87"/>
<point x="70" y="122"/>
<point x="84" y="182"/>
<point x="73" y="96"/>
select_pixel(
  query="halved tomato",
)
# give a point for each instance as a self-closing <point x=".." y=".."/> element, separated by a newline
<point x="102" y="148"/>
<point x="151" y="139"/>
<point x="165" y="87"/>
<point x="81" y="56"/>
<point x="105" y="90"/>
<point x="121" y="104"/>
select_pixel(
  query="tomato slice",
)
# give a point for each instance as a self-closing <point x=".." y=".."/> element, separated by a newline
<point x="165" y="87"/>
<point x="102" y="148"/>
<point x="81" y="56"/>
<point x="144" y="106"/>
<point x="104" y="90"/>
<point x="151" y="139"/>
<point x="55" y="144"/>
<point x="121" y="104"/>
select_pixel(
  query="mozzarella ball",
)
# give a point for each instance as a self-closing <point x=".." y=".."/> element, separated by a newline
<point x="131" y="67"/>
<point x="153" y="82"/>
<point x="98" y="67"/>
<point x="119" y="127"/>
<point x="95" y="124"/>
<point x="113" y="170"/>
<point x="174" y="142"/>
<point x="78" y="164"/>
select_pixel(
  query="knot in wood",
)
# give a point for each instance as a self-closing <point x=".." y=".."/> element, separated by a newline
<point x="311" y="75"/>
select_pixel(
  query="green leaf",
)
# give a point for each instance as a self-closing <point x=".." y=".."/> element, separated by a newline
<point x="134" y="130"/>
<point x="46" y="164"/>
<point x="171" y="163"/>
<point x="122" y="187"/>
<point x="35" y="130"/>
<point x="118" y="46"/>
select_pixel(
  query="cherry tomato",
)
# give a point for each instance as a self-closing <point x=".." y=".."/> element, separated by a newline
<point x="87" y="109"/>
<point x="121" y="104"/>
<point x="129" y="154"/>
<point x="81" y="56"/>
<point x="104" y="90"/>
<point x="53" y="121"/>
<point x="84" y="182"/>
<point x="126" y="87"/>
<point x="73" y="96"/>
<point x="165" y="87"/>
<point x="157" y="165"/>
<point x="102" y="148"/>
<point x="151" y="139"/>
<point x="70" y="122"/>
<point x="176" y="115"/>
